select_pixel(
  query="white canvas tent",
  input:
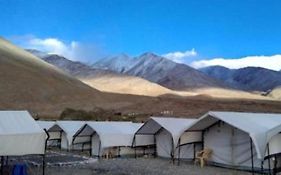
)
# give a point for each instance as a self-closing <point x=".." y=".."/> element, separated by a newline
<point x="103" y="137"/>
<point x="64" y="132"/>
<point x="20" y="134"/>
<point x="55" y="136"/>
<point x="45" y="124"/>
<point x="241" y="140"/>
<point x="165" y="134"/>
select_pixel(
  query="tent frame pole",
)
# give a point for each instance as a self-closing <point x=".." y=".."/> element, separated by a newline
<point x="202" y="138"/>
<point x="60" y="140"/>
<point x="275" y="165"/>
<point x="7" y="160"/>
<point x="99" y="148"/>
<point x="155" y="147"/>
<point x="134" y="146"/>
<point x="172" y="151"/>
<point x="179" y="151"/>
<point x="45" y="148"/>
<point x="194" y="151"/>
<point x="262" y="162"/>
<point x="252" y="156"/>
<point x="269" y="163"/>
<point x="2" y="165"/>
<point x="91" y="144"/>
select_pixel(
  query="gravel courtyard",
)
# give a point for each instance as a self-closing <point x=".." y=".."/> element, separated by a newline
<point x="64" y="163"/>
<point x="153" y="166"/>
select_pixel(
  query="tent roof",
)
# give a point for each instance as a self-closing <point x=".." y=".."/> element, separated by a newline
<point x="111" y="133"/>
<point x="20" y="134"/>
<point x="18" y="122"/>
<point x="46" y="124"/>
<point x="114" y="127"/>
<point x="69" y="126"/>
<point x="260" y="126"/>
<point x="175" y="126"/>
<point x="172" y="125"/>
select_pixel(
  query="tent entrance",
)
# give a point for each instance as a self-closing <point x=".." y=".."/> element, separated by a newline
<point x="153" y="145"/>
<point x="274" y="162"/>
<point x="84" y="137"/>
<point x="234" y="148"/>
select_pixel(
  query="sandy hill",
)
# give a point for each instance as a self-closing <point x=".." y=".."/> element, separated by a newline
<point x="27" y="82"/>
<point x="126" y="85"/>
<point x="229" y="93"/>
<point x="275" y="93"/>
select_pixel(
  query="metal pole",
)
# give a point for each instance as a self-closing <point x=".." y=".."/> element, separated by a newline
<point x="173" y="151"/>
<point x="134" y="146"/>
<point x="7" y="160"/>
<point x="275" y="164"/>
<point x="179" y="151"/>
<point x="155" y="146"/>
<point x="202" y="138"/>
<point x="252" y="159"/>
<point x="46" y="142"/>
<point x="99" y="148"/>
<point x="135" y="152"/>
<point x="91" y="145"/>
<point x="59" y="144"/>
<point x="194" y="151"/>
<point x="2" y="165"/>
<point x="262" y="167"/>
<point x="269" y="164"/>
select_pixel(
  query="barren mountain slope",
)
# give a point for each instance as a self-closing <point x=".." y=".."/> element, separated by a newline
<point x="159" y="70"/>
<point x="126" y="85"/>
<point x="275" y="93"/>
<point x="105" y="80"/>
<point x="27" y="82"/>
<point x="114" y="82"/>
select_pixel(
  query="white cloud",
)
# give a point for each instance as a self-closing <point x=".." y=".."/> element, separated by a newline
<point x="180" y="57"/>
<point x="73" y="50"/>
<point x="54" y="45"/>
<point x="270" y="62"/>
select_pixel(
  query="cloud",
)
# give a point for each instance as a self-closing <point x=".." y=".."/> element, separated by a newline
<point x="270" y="62"/>
<point x="180" y="57"/>
<point x="73" y="50"/>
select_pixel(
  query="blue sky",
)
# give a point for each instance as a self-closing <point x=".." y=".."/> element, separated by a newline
<point x="203" y="29"/>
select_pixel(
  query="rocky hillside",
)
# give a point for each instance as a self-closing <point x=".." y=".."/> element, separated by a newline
<point x="249" y="78"/>
<point x="104" y="80"/>
<point x="159" y="70"/>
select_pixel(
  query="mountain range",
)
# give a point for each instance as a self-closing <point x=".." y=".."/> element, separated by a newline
<point x="104" y="80"/>
<point x="111" y="81"/>
<point x="159" y="70"/>
<point x="249" y="78"/>
<point x="30" y="83"/>
<point x="123" y="74"/>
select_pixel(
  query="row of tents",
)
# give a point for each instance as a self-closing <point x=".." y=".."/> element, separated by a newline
<point x="250" y="141"/>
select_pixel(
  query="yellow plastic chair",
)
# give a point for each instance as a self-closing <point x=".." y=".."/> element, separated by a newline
<point x="203" y="156"/>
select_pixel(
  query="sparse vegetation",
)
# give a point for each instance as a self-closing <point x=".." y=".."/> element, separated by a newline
<point x="97" y="114"/>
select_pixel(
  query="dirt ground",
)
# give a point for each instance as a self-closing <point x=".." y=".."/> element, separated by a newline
<point x="66" y="163"/>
